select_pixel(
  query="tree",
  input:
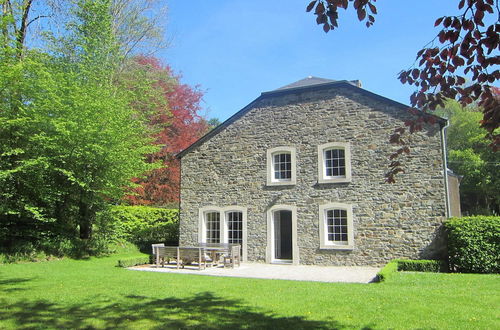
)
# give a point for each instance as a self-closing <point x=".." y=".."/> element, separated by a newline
<point x="176" y="119"/>
<point x="466" y="47"/>
<point x="70" y="141"/>
<point x="139" y="25"/>
<point x="213" y="123"/>
<point x="469" y="156"/>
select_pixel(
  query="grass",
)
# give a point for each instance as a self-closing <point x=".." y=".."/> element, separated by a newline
<point x="94" y="293"/>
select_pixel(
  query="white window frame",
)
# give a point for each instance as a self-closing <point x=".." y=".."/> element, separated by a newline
<point x="224" y="234"/>
<point x="322" y="178"/>
<point x="323" y="231"/>
<point x="271" y="181"/>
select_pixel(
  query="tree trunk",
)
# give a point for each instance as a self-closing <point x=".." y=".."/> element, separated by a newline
<point x="86" y="220"/>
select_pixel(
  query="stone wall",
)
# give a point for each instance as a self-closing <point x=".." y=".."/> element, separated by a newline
<point x="399" y="220"/>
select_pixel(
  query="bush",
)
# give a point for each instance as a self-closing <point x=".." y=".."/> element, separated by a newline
<point x="434" y="266"/>
<point x="474" y="244"/>
<point x="403" y="265"/>
<point x="141" y="225"/>
<point x="130" y="262"/>
<point x="55" y="247"/>
<point x="388" y="270"/>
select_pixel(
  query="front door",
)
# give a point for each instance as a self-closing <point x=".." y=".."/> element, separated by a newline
<point x="283" y="235"/>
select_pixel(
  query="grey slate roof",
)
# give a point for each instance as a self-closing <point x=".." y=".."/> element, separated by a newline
<point x="309" y="83"/>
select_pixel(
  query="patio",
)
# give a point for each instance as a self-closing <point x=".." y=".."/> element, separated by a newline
<point x="277" y="272"/>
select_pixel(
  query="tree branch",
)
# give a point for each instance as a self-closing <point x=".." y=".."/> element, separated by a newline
<point x="21" y="34"/>
<point x="37" y="18"/>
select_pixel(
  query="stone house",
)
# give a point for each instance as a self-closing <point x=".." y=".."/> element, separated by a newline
<point x="297" y="176"/>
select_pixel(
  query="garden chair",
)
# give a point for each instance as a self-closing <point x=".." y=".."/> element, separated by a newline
<point x="153" y="248"/>
<point x="232" y="257"/>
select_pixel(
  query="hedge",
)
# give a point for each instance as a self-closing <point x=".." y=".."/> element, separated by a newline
<point x="402" y="265"/>
<point x="143" y="225"/>
<point x="388" y="270"/>
<point x="474" y="244"/>
<point x="434" y="266"/>
<point x="133" y="261"/>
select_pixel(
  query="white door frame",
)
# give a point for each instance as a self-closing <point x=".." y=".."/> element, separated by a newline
<point x="270" y="233"/>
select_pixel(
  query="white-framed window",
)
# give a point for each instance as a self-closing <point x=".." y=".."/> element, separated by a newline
<point x="336" y="226"/>
<point x="281" y="166"/>
<point x="223" y="225"/>
<point x="234" y="220"/>
<point x="212" y="227"/>
<point x="334" y="162"/>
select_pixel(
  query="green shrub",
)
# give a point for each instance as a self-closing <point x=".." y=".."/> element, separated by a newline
<point x="434" y="266"/>
<point x="141" y="225"/>
<point x="388" y="270"/>
<point x="474" y="244"/>
<point x="55" y="247"/>
<point x="130" y="262"/>
<point x="402" y="265"/>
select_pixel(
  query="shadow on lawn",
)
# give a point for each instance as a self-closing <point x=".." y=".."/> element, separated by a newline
<point x="7" y="285"/>
<point x="203" y="310"/>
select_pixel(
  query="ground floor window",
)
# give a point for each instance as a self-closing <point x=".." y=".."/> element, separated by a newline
<point x="212" y="220"/>
<point x="235" y="227"/>
<point x="223" y="225"/>
<point x="336" y="226"/>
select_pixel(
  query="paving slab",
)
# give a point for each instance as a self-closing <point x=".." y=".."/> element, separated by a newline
<point x="277" y="272"/>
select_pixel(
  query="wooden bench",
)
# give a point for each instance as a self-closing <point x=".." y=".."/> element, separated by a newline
<point x="188" y="255"/>
<point x="166" y="253"/>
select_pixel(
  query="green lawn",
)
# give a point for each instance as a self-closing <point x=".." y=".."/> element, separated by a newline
<point x="95" y="294"/>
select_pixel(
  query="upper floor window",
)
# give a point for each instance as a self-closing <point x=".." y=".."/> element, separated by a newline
<point x="334" y="162"/>
<point x="336" y="226"/>
<point x="281" y="166"/>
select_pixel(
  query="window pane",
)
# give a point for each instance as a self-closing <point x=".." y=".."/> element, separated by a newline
<point x="334" y="160"/>
<point x="282" y="166"/>
<point x="213" y="227"/>
<point x="336" y="225"/>
<point x="235" y="227"/>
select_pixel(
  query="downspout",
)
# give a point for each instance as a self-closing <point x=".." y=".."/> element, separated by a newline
<point x="179" y="212"/>
<point x="445" y="168"/>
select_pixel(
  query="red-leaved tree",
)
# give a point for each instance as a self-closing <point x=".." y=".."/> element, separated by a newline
<point x="178" y="123"/>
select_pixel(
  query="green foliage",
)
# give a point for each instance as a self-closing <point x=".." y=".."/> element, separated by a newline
<point x="403" y="265"/>
<point x="474" y="244"/>
<point x="470" y="156"/>
<point x="143" y="225"/>
<point x="69" y="139"/>
<point x="387" y="271"/>
<point x="434" y="266"/>
<point x="130" y="262"/>
<point x="48" y="248"/>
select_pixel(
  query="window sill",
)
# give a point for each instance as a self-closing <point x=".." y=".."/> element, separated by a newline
<point x="337" y="247"/>
<point x="281" y="183"/>
<point x="334" y="180"/>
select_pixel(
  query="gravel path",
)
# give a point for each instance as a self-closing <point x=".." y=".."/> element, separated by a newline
<point x="281" y="272"/>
